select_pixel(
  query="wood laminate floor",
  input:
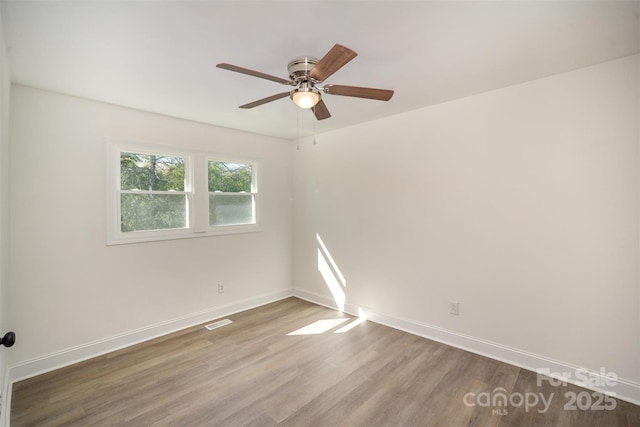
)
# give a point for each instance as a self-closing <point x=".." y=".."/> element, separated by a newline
<point x="255" y="372"/>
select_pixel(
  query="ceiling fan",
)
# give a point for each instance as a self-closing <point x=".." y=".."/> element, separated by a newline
<point x="305" y="73"/>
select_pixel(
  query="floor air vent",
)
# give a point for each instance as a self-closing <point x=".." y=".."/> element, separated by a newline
<point x="217" y="324"/>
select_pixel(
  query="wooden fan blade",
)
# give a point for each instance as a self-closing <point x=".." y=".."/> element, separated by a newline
<point x="359" y="92"/>
<point x="254" y="73"/>
<point x="321" y="111"/>
<point x="335" y="59"/>
<point x="265" y="100"/>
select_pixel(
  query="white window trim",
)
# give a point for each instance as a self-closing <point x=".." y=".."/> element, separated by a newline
<point x="196" y="188"/>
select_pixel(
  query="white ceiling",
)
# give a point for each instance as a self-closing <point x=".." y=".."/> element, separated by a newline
<point x="160" y="56"/>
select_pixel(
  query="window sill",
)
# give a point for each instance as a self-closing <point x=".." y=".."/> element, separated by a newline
<point x="143" y="237"/>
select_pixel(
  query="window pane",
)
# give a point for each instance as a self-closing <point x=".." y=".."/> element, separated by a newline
<point x="228" y="209"/>
<point x="151" y="172"/>
<point x="142" y="212"/>
<point x="230" y="177"/>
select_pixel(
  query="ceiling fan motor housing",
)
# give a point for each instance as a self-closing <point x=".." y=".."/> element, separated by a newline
<point x="299" y="68"/>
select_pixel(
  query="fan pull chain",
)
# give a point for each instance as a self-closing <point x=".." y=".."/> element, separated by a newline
<point x="298" y="128"/>
<point x="314" y="132"/>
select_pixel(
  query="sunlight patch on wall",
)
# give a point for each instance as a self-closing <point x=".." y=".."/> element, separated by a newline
<point x="330" y="279"/>
<point x="331" y="273"/>
<point x="331" y="261"/>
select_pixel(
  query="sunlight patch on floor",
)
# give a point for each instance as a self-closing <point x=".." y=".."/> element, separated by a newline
<point x="350" y="326"/>
<point x="319" y="327"/>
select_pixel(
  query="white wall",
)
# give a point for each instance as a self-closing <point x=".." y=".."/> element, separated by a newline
<point x="522" y="204"/>
<point x="4" y="199"/>
<point x="67" y="287"/>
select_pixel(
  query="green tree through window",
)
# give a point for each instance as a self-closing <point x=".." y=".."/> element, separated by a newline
<point x="147" y="202"/>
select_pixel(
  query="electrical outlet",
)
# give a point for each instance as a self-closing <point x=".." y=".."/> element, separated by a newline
<point x="454" y="308"/>
<point x="220" y="288"/>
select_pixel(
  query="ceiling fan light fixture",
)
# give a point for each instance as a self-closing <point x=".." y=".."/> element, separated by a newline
<point x="305" y="97"/>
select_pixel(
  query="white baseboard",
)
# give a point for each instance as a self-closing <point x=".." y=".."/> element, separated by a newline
<point x="620" y="388"/>
<point x="77" y="354"/>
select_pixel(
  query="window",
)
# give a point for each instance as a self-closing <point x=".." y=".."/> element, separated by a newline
<point x="158" y="193"/>
<point x="152" y="192"/>
<point x="231" y="193"/>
